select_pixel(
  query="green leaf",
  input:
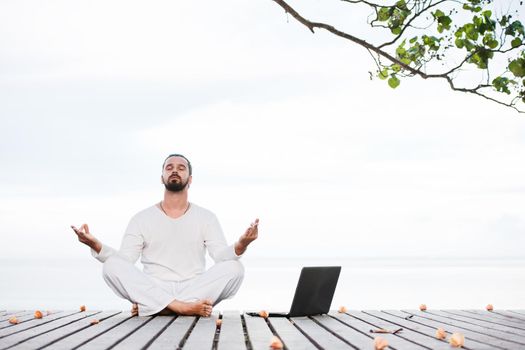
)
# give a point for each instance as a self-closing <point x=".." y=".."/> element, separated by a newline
<point x="438" y="14"/>
<point x="517" y="67"/>
<point x="393" y="82"/>
<point x="383" y="74"/>
<point x="396" y="30"/>
<point x="460" y="43"/>
<point x="406" y="61"/>
<point x="383" y="14"/>
<point x="401" y="4"/>
<point x="516" y="42"/>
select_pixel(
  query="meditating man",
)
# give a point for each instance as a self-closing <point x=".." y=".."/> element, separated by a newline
<point x="172" y="237"/>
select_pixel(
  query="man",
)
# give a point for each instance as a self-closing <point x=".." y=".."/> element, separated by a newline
<point x="172" y="237"/>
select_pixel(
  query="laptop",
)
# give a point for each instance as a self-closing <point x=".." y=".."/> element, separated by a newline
<point x="313" y="294"/>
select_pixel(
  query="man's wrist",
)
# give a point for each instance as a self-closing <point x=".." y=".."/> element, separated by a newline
<point x="240" y="248"/>
<point x="96" y="246"/>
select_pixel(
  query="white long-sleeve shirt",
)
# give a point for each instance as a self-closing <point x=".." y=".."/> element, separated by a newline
<point x="172" y="249"/>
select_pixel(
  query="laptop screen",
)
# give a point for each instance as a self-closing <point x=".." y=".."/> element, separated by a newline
<point x="315" y="290"/>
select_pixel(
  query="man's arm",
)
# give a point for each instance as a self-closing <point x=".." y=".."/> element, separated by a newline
<point x="248" y="237"/>
<point x="87" y="238"/>
<point x="130" y="249"/>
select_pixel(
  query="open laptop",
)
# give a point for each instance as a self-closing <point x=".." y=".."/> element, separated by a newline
<point x="313" y="294"/>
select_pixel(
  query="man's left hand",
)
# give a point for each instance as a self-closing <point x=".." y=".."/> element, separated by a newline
<point x="248" y="237"/>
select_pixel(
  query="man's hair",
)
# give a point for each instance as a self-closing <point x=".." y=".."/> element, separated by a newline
<point x="177" y="155"/>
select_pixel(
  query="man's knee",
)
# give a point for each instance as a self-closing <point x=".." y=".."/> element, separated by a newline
<point x="234" y="268"/>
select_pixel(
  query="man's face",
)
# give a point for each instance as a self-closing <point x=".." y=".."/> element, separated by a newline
<point x="175" y="175"/>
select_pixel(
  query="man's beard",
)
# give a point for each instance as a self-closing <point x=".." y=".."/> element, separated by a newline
<point x="175" y="186"/>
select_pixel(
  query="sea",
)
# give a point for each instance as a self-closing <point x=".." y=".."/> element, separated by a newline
<point x="376" y="283"/>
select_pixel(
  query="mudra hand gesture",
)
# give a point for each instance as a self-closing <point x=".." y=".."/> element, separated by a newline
<point x="247" y="237"/>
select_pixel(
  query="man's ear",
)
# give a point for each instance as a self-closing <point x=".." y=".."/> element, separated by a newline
<point x="189" y="180"/>
<point x="161" y="180"/>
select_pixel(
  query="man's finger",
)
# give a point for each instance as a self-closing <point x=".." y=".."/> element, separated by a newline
<point x="85" y="228"/>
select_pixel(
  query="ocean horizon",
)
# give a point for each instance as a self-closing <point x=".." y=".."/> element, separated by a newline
<point x="269" y="284"/>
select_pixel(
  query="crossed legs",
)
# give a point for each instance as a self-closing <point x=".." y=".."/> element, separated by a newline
<point x="196" y="297"/>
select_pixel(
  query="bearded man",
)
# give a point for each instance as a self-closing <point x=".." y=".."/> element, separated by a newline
<point x="171" y="238"/>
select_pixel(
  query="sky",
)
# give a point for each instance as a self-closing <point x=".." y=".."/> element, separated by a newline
<point x="279" y="123"/>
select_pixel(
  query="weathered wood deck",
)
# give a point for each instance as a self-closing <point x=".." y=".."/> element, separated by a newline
<point x="350" y="330"/>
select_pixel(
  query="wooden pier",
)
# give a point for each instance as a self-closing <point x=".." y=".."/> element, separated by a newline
<point x="350" y="330"/>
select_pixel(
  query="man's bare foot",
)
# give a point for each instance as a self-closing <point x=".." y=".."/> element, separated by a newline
<point x="196" y="308"/>
<point x="134" y="310"/>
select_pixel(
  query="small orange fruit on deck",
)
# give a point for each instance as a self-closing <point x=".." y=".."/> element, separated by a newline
<point x="82" y="308"/>
<point x="490" y="307"/>
<point x="342" y="309"/>
<point x="440" y="333"/>
<point x="94" y="321"/>
<point x="276" y="343"/>
<point x="380" y="343"/>
<point x="38" y="314"/>
<point x="13" y="320"/>
<point x="263" y="313"/>
<point x="423" y="307"/>
<point x="457" y="340"/>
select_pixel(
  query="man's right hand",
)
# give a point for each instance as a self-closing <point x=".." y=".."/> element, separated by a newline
<point x="87" y="238"/>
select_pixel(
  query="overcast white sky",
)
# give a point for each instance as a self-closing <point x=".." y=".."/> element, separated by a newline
<point x="279" y="124"/>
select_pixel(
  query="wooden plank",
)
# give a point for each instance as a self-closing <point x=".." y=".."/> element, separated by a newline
<point x="201" y="337"/>
<point x="320" y="335"/>
<point x="480" y="326"/>
<point x="421" y="328"/>
<point x="232" y="334"/>
<point x="510" y="315"/>
<point x="516" y="314"/>
<point x="259" y="333"/>
<point x="290" y="336"/>
<point x="49" y="338"/>
<point x="29" y="316"/>
<point x="34" y="323"/>
<point x="426" y="339"/>
<point x="86" y="335"/>
<point x="10" y="314"/>
<point x="172" y="336"/>
<point x="451" y="327"/>
<point x="521" y="312"/>
<point x="365" y="323"/>
<point x="490" y="321"/>
<point x="40" y="326"/>
<point x="140" y="338"/>
<point x="356" y="338"/>
<point x="495" y="315"/>
<point x="117" y="334"/>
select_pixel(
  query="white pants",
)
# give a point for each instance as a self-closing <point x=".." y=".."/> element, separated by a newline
<point x="152" y="295"/>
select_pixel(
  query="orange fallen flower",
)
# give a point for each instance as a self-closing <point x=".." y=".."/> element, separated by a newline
<point x="342" y="309"/>
<point x="218" y="322"/>
<point x="423" y="307"/>
<point x="263" y="313"/>
<point x="13" y="320"/>
<point x="276" y="343"/>
<point x="38" y="314"/>
<point x="94" y="321"/>
<point x="457" y="340"/>
<point x="82" y="308"/>
<point x="490" y="307"/>
<point x="440" y="333"/>
<point x="380" y="343"/>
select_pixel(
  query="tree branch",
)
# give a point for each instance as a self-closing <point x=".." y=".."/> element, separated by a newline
<point x="382" y="53"/>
